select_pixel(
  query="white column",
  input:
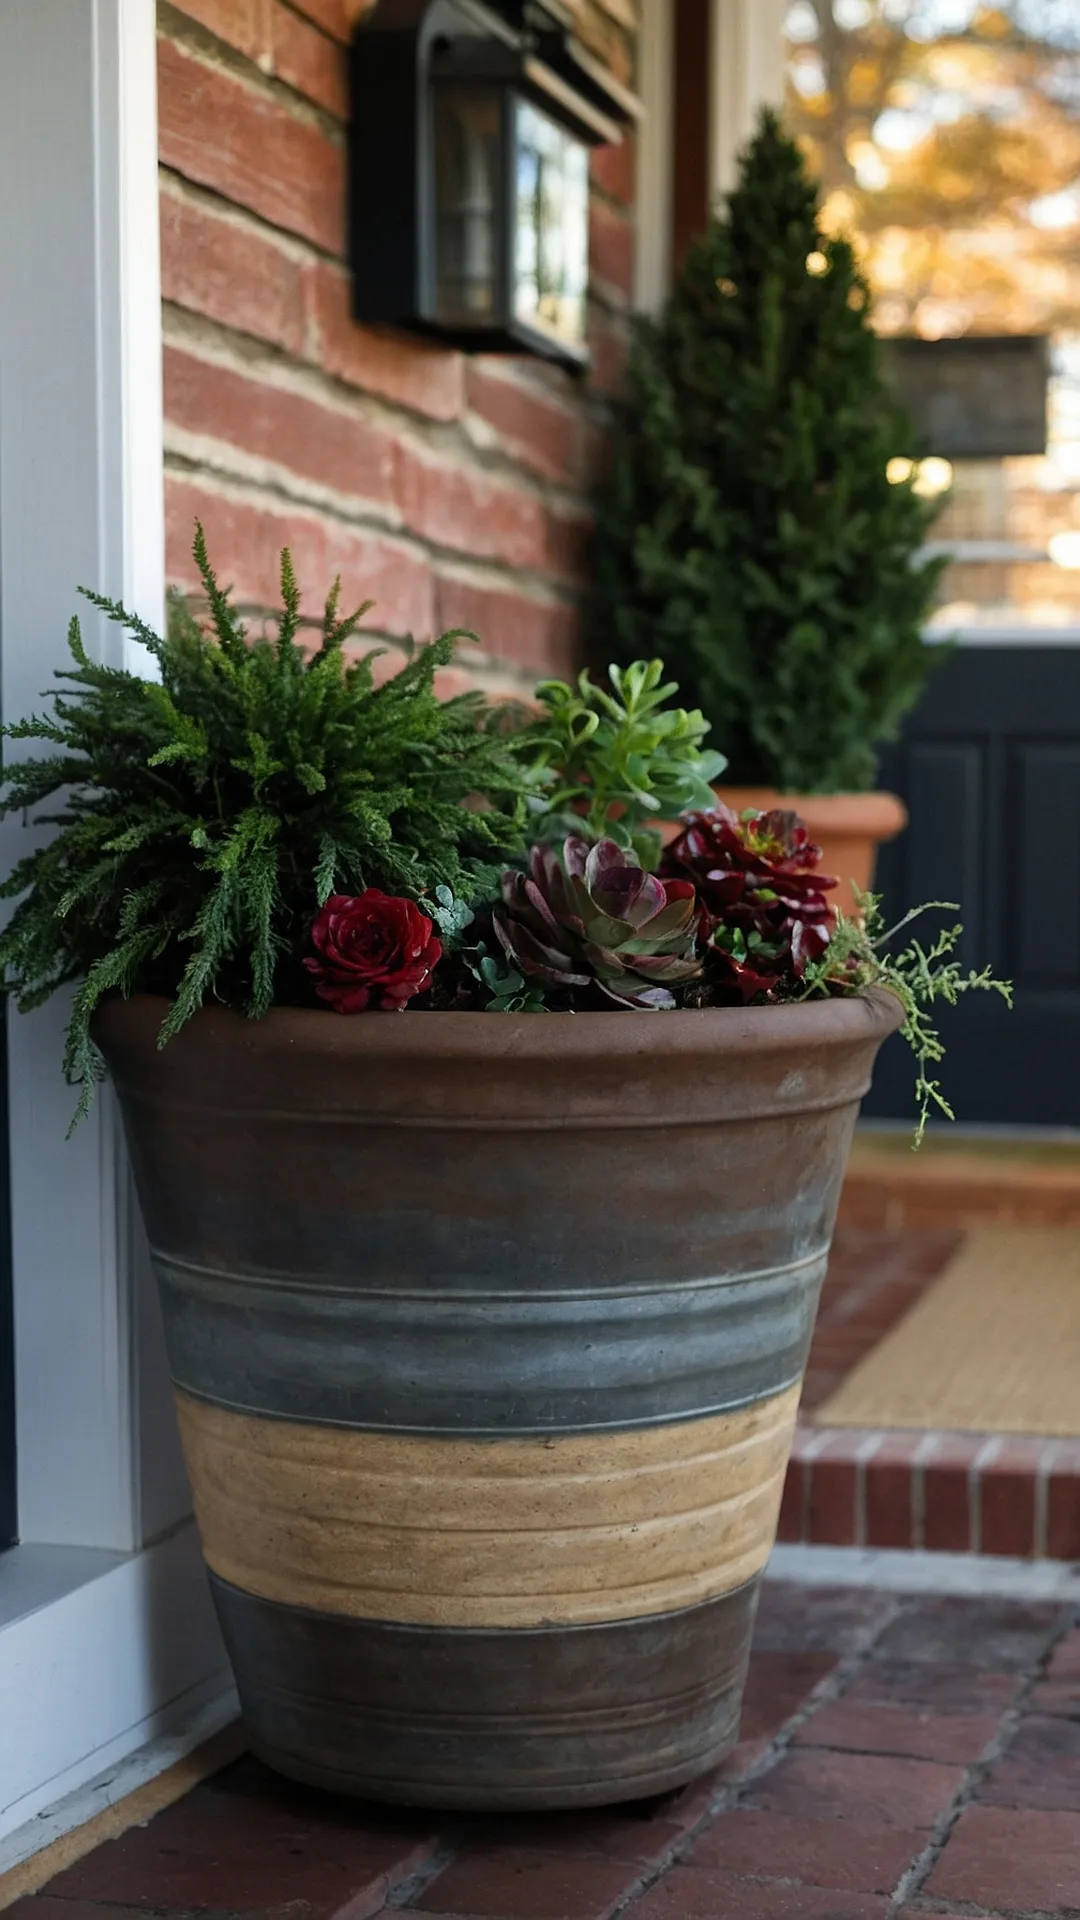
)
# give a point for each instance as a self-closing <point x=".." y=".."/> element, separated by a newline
<point x="746" y="72"/>
<point x="655" y="154"/>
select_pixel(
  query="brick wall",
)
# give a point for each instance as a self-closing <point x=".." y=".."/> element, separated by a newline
<point x="451" y="489"/>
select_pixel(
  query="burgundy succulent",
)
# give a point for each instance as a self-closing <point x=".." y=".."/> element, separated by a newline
<point x="374" y="950"/>
<point x="761" y="893"/>
<point x="595" y="918"/>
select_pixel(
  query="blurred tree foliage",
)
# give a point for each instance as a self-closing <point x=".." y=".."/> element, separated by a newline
<point x="947" y="137"/>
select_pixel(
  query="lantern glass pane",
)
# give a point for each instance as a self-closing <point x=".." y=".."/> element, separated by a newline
<point x="468" y="145"/>
<point x="551" y="251"/>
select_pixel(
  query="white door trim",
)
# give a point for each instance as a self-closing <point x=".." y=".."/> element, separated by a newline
<point x="120" y="1632"/>
<point x="118" y="1654"/>
<point x="747" y="68"/>
<point x="81" y="503"/>
<point x="655" y="155"/>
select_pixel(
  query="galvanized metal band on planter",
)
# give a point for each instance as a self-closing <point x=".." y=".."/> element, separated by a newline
<point x="487" y="1335"/>
<point x="509" y="1360"/>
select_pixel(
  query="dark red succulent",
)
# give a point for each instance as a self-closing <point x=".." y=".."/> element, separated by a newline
<point x="594" y="919"/>
<point x="374" y="950"/>
<point x="759" y="889"/>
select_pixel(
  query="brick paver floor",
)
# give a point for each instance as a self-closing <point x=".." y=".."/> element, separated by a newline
<point x="900" y="1757"/>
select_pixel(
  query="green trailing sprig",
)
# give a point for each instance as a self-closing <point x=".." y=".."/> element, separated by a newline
<point x="922" y="977"/>
<point x="199" y="821"/>
<point x="612" y="762"/>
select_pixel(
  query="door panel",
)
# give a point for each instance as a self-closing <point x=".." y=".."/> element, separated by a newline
<point x="7" y="1356"/>
<point x="989" y="766"/>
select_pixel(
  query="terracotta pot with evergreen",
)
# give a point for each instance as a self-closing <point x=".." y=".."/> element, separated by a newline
<point x="762" y="525"/>
<point x="489" y="1159"/>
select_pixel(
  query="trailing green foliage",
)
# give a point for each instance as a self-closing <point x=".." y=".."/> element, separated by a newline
<point x="201" y="821"/>
<point x="858" y="958"/>
<point x="609" y="763"/>
<point x="749" y="534"/>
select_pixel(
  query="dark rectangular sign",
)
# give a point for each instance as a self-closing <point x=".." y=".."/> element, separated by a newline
<point x="982" y="397"/>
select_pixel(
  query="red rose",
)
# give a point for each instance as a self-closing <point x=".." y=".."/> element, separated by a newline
<point x="374" y="950"/>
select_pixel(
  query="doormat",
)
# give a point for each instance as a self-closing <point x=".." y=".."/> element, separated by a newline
<point x="992" y="1347"/>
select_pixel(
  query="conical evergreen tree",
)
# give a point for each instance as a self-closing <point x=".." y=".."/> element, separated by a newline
<point x="748" y="534"/>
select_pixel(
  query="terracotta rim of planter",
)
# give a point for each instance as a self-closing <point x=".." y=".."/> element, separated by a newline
<point x="877" y="816"/>
<point x="513" y="1068"/>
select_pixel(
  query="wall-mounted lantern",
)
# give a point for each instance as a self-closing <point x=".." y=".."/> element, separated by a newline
<point x="469" y="171"/>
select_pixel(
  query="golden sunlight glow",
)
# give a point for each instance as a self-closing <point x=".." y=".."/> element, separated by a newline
<point x="1064" y="550"/>
<point x="934" y="476"/>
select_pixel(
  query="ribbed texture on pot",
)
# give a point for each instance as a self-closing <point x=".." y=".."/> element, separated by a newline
<point x="487" y="1333"/>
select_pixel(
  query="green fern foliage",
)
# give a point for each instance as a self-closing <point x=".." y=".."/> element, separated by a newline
<point x="199" y="821"/>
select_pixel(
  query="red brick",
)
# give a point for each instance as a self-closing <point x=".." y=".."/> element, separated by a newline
<point x="45" y="1907"/>
<point x="568" y="535"/>
<point x="539" y="634"/>
<point x="253" y="1846"/>
<point x="634" y="1834"/>
<point x="609" y="345"/>
<point x="243" y="24"/>
<point x="249" y="148"/>
<point x="425" y="379"/>
<point x="1063" y="1505"/>
<point x="871" y="1790"/>
<point x="1007" y="1488"/>
<point x="947" y="1689"/>
<point x="947" y="1515"/>
<point x="1012" y="1861"/>
<point x="467" y="510"/>
<point x="336" y="448"/>
<point x="1040" y="1768"/>
<point x="231" y="273"/>
<point x="1057" y="1696"/>
<point x="777" y="1685"/>
<point x="540" y="429"/>
<point x="695" y="1893"/>
<point x="819" y="1619"/>
<point x="833" y="1517"/>
<point x="918" y="1733"/>
<point x="816" y="1853"/>
<point x="611" y="247"/>
<point x="818" y="1383"/>
<point x="890" y="1517"/>
<point x="333" y="16"/>
<point x="613" y="169"/>
<point x="305" y="59"/>
<point x="1006" y="1636"/>
<point x="528" y="1883"/>
<point x="248" y="537"/>
<point x="281" y="40"/>
<point x="1065" y="1660"/>
<point x="793" y="1503"/>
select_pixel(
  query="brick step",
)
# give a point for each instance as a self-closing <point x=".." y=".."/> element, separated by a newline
<point x="946" y="1492"/>
<point x="958" y="1184"/>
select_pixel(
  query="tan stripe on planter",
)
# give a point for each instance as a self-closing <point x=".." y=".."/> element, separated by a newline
<point x="497" y="1533"/>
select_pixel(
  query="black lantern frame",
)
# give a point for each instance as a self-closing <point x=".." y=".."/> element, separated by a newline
<point x="470" y="136"/>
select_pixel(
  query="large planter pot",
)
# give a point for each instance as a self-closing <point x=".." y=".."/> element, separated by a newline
<point x="487" y="1334"/>
<point x="848" y="827"/>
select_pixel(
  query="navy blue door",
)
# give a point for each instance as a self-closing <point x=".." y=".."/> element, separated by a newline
<point x="7" y="1356"/>
<point x="989" y="766"/>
